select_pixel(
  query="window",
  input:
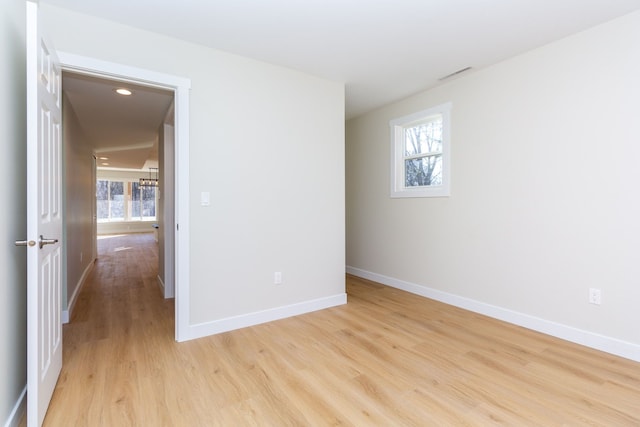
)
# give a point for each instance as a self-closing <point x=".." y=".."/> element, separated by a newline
<point x="420" y="153"/>
<point x="143" y="202"/>
<point x="125" y="201"/>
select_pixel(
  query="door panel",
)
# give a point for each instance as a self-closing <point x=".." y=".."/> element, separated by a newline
<point x="44" y="221"/>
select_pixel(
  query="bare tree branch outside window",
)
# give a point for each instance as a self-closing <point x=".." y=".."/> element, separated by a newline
<point x="423" y="154"/>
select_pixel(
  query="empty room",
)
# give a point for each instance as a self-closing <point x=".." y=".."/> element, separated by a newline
<point x="345" y="213"/>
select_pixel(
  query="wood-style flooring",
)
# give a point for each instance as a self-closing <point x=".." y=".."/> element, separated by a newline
<point x="387" y="358"/>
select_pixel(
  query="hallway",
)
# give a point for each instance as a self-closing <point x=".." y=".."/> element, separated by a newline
<point x="121" y="299"/>
<point x="119" y="308"/>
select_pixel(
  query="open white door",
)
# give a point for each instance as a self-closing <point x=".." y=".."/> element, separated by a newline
<point x="44" y="221"/>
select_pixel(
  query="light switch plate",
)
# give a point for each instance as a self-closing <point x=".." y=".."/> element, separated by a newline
<point x="205" y="198"/>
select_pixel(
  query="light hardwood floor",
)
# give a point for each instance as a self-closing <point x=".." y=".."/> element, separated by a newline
<point x="386" y="358"/>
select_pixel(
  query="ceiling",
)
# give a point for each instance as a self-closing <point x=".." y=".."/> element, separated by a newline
<point x="121" y="129"/>
<point x="382" y="50"/>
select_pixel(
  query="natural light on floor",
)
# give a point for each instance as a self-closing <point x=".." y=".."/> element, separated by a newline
<point x="109" y="236"/>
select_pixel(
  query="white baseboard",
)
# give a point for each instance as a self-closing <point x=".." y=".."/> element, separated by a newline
<point x="166" y="292"/>
<point x="160" y="284"/>
<point x="18" y="410"/>
<point x="66" y="314"/>
<point x="224" y="325"/>
<point x="589" y="339"/>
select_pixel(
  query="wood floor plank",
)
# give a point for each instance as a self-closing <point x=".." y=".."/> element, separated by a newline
<point x="386" y="358"/>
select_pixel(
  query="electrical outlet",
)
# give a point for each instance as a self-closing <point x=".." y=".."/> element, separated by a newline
<point x="595" y="296"/>
<point x="277" y="278"/>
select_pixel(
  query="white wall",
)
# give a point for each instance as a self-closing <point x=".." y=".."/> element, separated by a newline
<point x="544" y="199"/>
<point x="268" y="144"/>
<point x="79" y="198"/>
<point x="131" y="175"/>
<point x="13" y="327"/>
<point x="126" y="227"/>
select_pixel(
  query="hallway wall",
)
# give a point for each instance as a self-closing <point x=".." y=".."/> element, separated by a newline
<point x="79" y="199"/>
<point x="166" y="208"/>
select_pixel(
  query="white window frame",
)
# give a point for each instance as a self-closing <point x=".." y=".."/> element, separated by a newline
<point x="397" y="127"/>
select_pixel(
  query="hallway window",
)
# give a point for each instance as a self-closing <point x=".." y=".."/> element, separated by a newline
<point x="124" y="201"/>
<point x="110" y="200"/>
<point x="143" y="202"/>
<point x="116" y="200"/>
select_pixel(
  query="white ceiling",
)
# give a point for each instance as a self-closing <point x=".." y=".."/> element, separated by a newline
<point x="383" y="50"/>
<point x="121" y="128"/>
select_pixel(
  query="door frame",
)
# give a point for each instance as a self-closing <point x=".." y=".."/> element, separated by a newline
<point x="181" y="87"/>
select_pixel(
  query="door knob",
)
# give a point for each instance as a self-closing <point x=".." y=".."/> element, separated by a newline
<point x="25" y="243"/>
<point x="44" y="241"/>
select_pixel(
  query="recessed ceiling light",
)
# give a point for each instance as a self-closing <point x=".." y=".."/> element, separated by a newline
<point x="123" y="91"/>
<point x="103" y="158"/>
<point x="105" y="164"/>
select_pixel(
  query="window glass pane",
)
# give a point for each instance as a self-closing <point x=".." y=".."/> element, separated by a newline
<point x="423" y="138"/>
<point x="135" y="201"/>
<point x="102" y="199"/>
<point x="148" y="195"/>
<point x="135" y="191"/>
<point x="116" y="196"/>
<point x="423" y="171"/>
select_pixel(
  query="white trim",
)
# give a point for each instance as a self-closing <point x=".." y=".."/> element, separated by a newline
<point x="66" y="314"/>
<point x="181" y="87"/>
<point x="181" y="281"/>
<point x="19" y="409"/>
<point x="242" y="321"/>
<point x="568" y="333"/>
<point x="121" y="72"/>
<point x="160" y="284"/>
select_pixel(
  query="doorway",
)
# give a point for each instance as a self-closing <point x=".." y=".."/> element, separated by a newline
<point x="174" y="191"/>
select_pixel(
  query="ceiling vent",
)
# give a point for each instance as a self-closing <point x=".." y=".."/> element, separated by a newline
<point x="455" y="73"/>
